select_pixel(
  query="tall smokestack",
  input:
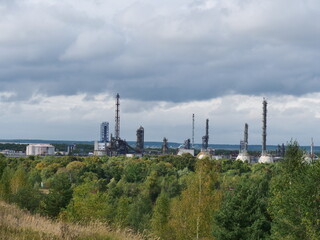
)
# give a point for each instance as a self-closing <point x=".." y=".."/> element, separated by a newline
<point x="140" y="140"/>
<point x="117" y="118"/>
<point x="207" y="129"/>
<point x="192" y="130"/>
<point x="312" y="150"/>
<point x="246" y="137"/>
<point x="205" y="139"/>
<point x="264" y="128"/>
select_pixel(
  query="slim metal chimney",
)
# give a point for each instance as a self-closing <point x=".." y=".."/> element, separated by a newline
<point x="205" y="139"/>
<point x="207" y="129"/>
<point x="117" y="118"/>
<point x="264" y="127"/>
<point x="312" y="150"/>
<point x="192" y="130"/>
<point x="246" y="137"/>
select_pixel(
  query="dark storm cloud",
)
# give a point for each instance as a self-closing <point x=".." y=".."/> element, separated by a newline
<point x="171" y="50"/>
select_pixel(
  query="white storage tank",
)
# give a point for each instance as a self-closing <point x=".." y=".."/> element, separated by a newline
<point x="40" y="149"/>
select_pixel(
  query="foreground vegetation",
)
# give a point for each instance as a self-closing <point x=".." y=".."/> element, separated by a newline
<point x="166" y="197"/>
<point x="19" y="224"/>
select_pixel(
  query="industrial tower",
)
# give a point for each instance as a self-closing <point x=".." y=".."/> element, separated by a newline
<point x="265" y="158"/>
<point x="193" y="130"/>
<point x="104" y="132"/>
<point x="117" y="118"/>
<point x="140" y="140"/>
<point x="205" y="139"/>
<point x="165" y="148"/>
<point x="243" y="154"/>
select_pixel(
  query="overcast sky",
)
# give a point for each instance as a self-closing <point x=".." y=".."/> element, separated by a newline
<point x="62" y="62"/>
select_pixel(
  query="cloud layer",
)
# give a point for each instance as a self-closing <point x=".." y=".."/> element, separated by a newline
<point x="78" y="117"/>
<point x="161" y="50"/>
<point x="61" y="63"/>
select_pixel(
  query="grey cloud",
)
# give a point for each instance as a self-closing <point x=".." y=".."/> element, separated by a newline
<point x="179" y="51"/>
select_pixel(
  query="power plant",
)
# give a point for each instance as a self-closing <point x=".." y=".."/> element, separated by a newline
<point x="265" y="158"/>
<point x="243" y="154"/>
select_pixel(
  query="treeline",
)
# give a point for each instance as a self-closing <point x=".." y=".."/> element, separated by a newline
<point x="80" y="149"/>
<point x="13" y="146"/>
<point x="172" y="197"/>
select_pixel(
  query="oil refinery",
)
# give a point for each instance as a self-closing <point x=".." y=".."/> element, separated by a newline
<point x="113" y="145"/>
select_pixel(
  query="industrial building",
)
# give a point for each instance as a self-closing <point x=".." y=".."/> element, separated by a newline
<point x="186" y="148"/>
<point x="205" y="151"/>
<point x="243" y="154"/>
<point x="115" y="145"/>
<point x="40" y="149"/>
<point x="104" y="132"/>
<point x="140" y="140"/>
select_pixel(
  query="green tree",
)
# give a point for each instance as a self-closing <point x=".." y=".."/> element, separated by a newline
<point x="294" y="197"/>
<point x="160" y="216"/>
<point x="140" y="212"/>
<point x="5" y="189"/>
<point x="19" y="180"/>
<point x="59" y="196"/>
<point x="28" y="198"/>
<point x="191" y="212"/>
<point x="88" y="203"/>
<point x="243" y="213"/>
<point x="123" y="208"/>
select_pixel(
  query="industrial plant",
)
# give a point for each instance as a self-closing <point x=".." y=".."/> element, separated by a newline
<point x="243" y="154"/>
<point x="265" y="157"/>
<point x="187" y="147"/>
<point x="114" y="145"/>
<point x="205" y="150"/>
<point x="117" y="146"/>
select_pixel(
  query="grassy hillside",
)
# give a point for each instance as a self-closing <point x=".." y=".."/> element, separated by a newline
<point x="16" y="224"/>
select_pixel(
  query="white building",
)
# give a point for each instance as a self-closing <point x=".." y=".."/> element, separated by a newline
<point x="40" y="149"/>
<point x="100" y="148"/>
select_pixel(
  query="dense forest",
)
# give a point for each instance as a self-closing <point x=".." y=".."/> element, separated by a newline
<point x="172" y="197"/>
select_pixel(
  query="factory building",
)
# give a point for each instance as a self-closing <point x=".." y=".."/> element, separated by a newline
<point x="186" y="148"/>
<point x="40" y="149"/>
<point x="100" y="148"/>
<point x="104" y="132"/>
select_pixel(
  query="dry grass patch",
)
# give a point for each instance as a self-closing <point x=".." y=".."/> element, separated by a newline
<point x="19" y="224"/>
